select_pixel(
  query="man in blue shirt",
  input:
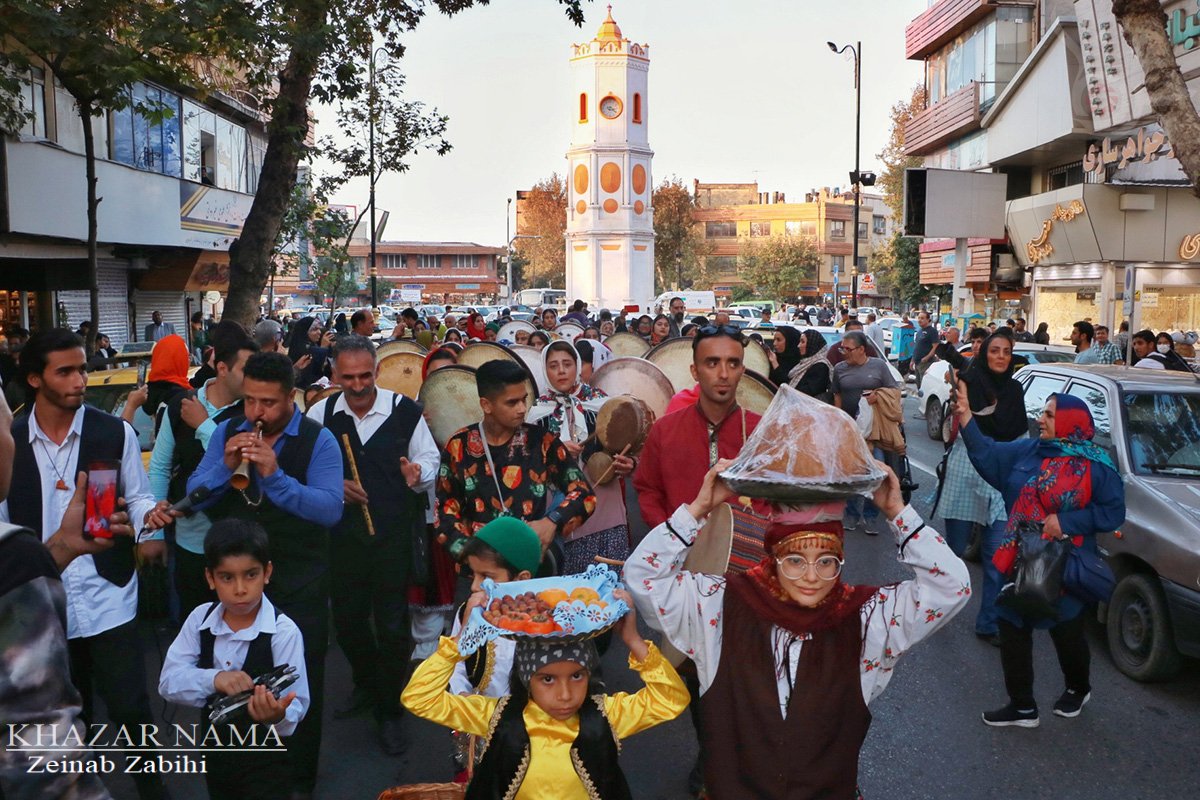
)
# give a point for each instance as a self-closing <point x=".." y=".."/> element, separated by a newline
<point x="1082" y="336"/>
<point x="295" y="492"/>
<point x="923" y="351"/>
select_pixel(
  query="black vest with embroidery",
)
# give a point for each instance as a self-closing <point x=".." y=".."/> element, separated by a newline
<point x="102" y="439"/>
<point x="393" y="505"/>
<point x="299" y="548"/>
<point x="188" y="451"/>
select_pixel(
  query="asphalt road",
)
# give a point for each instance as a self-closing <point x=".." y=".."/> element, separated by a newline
<point x="926" y="740"/>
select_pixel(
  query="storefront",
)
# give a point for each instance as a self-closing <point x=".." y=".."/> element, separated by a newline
<point x="1079" y="241"/>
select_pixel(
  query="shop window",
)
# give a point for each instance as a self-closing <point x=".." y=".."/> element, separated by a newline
<point x="720" y="230"/>
<point x="637" y="109"/>
<point x="760" y="229"/>
<point x="1064" y="175"/>
<point x="583" y="107"/>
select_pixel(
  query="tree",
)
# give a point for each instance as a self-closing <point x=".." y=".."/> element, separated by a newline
<point x="544" y="220"/>
<point x="679" y="247"/>
<point x="97" y="52"/>
<point x="893" y="158"/>
<point x="313" y="39"/>
<point x="1144" y="24"/>
<point x="779" y="265"/>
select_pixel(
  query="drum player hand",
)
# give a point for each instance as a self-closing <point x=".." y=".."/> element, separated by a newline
<point x="411" y="471"/>
<point x="712" y="492"/>
<point x="622" y="465"/>
<point x="574" y="449"/>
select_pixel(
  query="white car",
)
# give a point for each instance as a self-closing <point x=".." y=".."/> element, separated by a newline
<point x="934" y="391"/>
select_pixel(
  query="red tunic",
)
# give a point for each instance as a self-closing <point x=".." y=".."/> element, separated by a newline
<point x="677" y="456"/>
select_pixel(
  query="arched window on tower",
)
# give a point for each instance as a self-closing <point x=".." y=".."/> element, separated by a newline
<point x="637" y="109"/>
<point x="583" y="107"/>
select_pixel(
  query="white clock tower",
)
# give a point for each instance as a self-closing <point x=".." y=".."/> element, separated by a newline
<point x="610" y="224"/>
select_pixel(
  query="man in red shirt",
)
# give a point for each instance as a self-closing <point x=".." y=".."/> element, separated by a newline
<point x="683" y="445"/>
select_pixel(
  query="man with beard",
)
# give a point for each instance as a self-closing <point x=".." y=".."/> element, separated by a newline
<point x="678" y="310"/>
<point x="295" y="492"/>
<point x="397" y="461"/>
<point x="59" y="438"/>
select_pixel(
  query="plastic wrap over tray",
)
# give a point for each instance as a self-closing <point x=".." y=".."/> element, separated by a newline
<point x="804" y="451"/>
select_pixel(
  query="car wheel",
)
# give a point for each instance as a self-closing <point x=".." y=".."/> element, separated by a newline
<point x="933" y="419"/>
<point x="974" y="544"/>
<point x="1139" y="630"/>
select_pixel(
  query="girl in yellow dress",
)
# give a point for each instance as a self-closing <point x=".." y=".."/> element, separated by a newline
<point x="554" y="737"/>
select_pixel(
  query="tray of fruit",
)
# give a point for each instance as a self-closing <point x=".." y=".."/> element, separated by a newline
<point x="568" y="607"/>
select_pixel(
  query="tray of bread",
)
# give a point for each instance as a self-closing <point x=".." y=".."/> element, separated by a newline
<point x="567" y="607"/>
<point x="803" y="451"/>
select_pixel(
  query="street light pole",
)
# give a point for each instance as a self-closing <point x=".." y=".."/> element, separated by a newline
<point x="856" y="176"/>
<point x="507" y="238"/>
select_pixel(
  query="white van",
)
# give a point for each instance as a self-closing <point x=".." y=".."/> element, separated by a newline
<point x="697" y="302"/>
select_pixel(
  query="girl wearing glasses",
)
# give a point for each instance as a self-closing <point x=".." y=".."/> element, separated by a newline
<point x="788" y="655"/>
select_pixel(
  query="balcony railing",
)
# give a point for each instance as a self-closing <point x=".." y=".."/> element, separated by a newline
<point x="957" y="115"/>
<point x="940" y="23"/>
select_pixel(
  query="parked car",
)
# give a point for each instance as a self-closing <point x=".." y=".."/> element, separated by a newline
<point x="1150" y="425"/>
<point x="935" y="391"/>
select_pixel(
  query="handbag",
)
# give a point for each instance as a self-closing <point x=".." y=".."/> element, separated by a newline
<point x="1088" y="577"/>
<point x="1037" y="582"/>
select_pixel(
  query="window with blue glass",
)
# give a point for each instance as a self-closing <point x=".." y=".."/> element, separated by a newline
<point x="146" y="133"/>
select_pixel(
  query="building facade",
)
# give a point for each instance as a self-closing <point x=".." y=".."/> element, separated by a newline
<point x="1102" y="223"/>
<point x="443" y="272"/>
<point x="610" y="221"/>
<point x="733" y="215"/>
<point x="175" y="193"/>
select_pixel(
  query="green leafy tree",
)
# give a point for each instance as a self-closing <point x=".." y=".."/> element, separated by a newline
<point x="778" y="266"/>
<point x="297" y="52"/>
<point x="679" y="245"/>
<point x="893" y="158"/>
<point x="97" y="51"/>
<point x="543" y="246"/>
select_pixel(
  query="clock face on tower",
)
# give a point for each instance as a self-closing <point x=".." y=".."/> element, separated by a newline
<point x="610" y="107"/>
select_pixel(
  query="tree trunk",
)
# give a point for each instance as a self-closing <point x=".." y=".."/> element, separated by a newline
<point x="250" y="254"/>
<point x="1145" y="28"/>
<point x="93" y="206"/>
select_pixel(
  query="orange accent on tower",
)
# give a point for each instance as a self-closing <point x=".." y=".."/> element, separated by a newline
<point x="639" y="179"/>
<point x="581" y="179"/>
<point x="610" y="206"/>
<point x="610" y="177"/>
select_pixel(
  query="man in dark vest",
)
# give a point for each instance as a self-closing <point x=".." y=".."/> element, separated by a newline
<point x="295" y="493"/>
<point x="397" y="461"/>
<point x="59" y="438"/>
<point x="191" y="420"/>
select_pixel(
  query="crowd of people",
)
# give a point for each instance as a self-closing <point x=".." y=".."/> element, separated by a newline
<point x="346" y="521"/>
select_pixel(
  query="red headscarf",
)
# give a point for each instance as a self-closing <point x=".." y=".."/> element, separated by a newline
<point x="169" y="361"/>
<point x="760" y="589"/>
<point x="475" y="327"/>
<point x="429" y="359"/>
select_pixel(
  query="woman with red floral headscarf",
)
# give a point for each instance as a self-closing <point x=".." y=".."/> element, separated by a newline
<point x="788" y="655"/>
<point x="476" y="330"/>
<point x="1066" y="483"/>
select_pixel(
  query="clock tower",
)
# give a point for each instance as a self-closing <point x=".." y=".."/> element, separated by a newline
<point x="610" y="223"/>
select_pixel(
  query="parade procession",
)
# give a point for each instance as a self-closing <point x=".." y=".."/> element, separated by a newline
<point x="682" y="490"/>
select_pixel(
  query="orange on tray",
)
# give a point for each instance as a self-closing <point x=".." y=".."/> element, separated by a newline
<point x="552" y="597"/>
<point x="586" y="595"/>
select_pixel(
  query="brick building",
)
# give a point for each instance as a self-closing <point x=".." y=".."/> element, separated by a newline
<point x="446" y="272"/>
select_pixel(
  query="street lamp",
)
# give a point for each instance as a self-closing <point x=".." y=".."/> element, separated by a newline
<point x="510" y="258"/>
<point x="371" y="168"/>
<point x="857" y="178"/>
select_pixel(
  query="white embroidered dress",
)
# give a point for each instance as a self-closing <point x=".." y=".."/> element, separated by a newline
<point x="687" y="607"/>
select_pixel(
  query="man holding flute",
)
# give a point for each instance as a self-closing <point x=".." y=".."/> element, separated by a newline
<point x="389" y="461"/>
<point x="294" y="490"/>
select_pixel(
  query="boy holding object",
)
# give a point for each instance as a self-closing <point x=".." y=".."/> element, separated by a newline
<point x="222" y="647"/>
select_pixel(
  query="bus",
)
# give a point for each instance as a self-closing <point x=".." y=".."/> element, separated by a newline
<point x="536" y="298"/>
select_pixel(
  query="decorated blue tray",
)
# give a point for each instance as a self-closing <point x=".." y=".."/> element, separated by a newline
<point x="585" y="608"/>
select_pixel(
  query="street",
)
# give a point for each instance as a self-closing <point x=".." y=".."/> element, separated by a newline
<point x="926" y="739"/>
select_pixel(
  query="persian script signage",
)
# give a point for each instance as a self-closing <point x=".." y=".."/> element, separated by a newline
<point x="1144" y="147"/>
<point x="1039" y="247"/>
<point x="1189" y="248"/>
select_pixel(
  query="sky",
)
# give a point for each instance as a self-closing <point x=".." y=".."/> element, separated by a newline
<point x="741" y="91"/>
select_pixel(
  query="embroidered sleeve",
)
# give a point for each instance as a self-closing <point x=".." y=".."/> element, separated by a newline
<point x="451" y="496"/>
<point x="426" y="694"/>
<point x="663" y="698"/>
<point x="579" y="501"/>
<point x="902" y="614"/>
<point x="686" y="606"/>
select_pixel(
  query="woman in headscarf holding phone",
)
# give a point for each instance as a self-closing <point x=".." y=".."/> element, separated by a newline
<point x="1066" y="483"/>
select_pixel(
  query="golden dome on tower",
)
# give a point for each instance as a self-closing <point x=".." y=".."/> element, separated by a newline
<point x="609" y="30"/>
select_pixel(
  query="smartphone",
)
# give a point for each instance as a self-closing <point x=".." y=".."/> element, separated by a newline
<point x="102" y="492"/>
<point x="143" y="368"/>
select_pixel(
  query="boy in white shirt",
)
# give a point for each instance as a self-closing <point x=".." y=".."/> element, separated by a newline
<point x="222" y="647"/>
